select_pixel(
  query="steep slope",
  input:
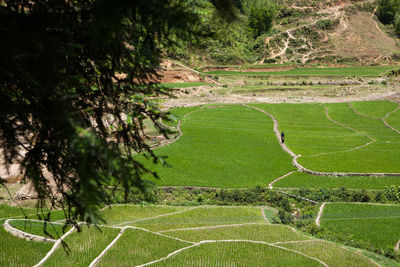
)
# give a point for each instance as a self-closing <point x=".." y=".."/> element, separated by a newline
<point x="334" y="31"/>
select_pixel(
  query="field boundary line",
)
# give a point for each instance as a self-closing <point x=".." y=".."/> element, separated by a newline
<point x="383" y="119"/>
<point x="347" y="248"/>
<point x="233" y="241"/>
<point x="318" y="219"/>
<point x="270" y="185"/>
<point x="55" y="247"/>
<point x="361" y="114"/>
<point x="157" y="216"/>
<point x="349" y="128"/>
<point x="25" y="235"/>
<point x="263" y="215"/>
<point x="160" y="234"/>
<point x="169" y="255"/>
<point x="210" y="227"/>
<point x="387" y="116"/>
<point x="277" y="133"/>
<point x="294" y="241"/>
<point x="178" y="127"/>
<point x="301" y="168"/>
<point x="98" y="258"/>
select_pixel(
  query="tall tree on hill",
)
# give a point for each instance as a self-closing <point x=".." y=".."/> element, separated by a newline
<point x="261" y="16"/>
<point x="387" y="10"/>
<point x="77" y="80"/>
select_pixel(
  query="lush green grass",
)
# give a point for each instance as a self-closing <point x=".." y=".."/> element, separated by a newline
<point x="305" y="180"/>
<point x="228" y="146"/>
<point x="178" y="114"/>
<point x="286" y="64"/>
<point x="394" y="120"/>
<point x="237" y="254"/>
<point x="258" y="232"/>
<point x="379" y="156"/>
<point x="184" y="85"/>
<point x="11" y="212"/>
<point x="308" y="131"/>
<point x="137" y="247"/>
<point x="323" y="144"/>
<point x="124" y="213"/>
<point x="331" y="254"/>
<point x="375" y="109"/>
<point x="37" y="228"/>
<point x="348" y="71"/>
<point x="204" y="216"/>
<point x="15" y="251"/>
<point x="378" y="226"/>
<point x="271" y="214"/>
<point x="84" y="247"/>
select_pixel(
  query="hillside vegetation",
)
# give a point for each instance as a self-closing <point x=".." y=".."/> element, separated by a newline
<point x="304" y="31"/>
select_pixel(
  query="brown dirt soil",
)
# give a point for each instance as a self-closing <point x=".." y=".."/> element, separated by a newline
<point x="363" y="37"/>
<point x="179" y="76"/>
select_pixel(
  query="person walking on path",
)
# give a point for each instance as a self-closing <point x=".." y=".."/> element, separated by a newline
<point x="282" y="137"/>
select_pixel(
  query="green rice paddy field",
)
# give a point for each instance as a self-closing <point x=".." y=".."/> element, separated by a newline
<point x="371" y="71"/>
<point x="376" y="225"/>
<point x="194" y="236"/>
<point x="235" y="146"/>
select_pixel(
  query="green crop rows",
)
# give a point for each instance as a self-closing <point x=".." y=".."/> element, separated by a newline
<point x="234" y="146"/>
<point x="348" y="72"/>
<point x="215" y="239"/>
<point x="376" y="225"/>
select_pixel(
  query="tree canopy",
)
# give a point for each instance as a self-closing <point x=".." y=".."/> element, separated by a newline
<point x="77" y="80"/>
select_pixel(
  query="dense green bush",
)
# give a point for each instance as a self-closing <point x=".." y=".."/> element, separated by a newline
<point x="327" y="24"/>
<point x="387" y="10"/>
<point x="261" y="17"/>
<point x="390" y="194"/>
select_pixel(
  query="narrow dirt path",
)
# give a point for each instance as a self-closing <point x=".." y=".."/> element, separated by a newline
<point x="376" y="118"/>
<point x="263" y="215"/>
<point x="321" y="210"/>
<point x="276" y="130"/>
<point x="270" y="185"/>
<point x="301" y="168"/>
<point x="387" y="116"/>
<point x="25" y="235"/>
<point x="178" y="128"/>
<point x="55" y="247"/>
<point x="373" y="140"/>
<point x="361" y="114"/>
<point x="97" y="259"/>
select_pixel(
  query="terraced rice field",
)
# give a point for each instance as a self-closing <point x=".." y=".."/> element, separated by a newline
<point x="373" y="71"/>
<point x="305" y="180"/>
<point x="224" y="146"/>
<point x="198" y="240"/>
<point x="235" y="146"/>
<point x="339" y="138"/>
<point x="376" y="225"/>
